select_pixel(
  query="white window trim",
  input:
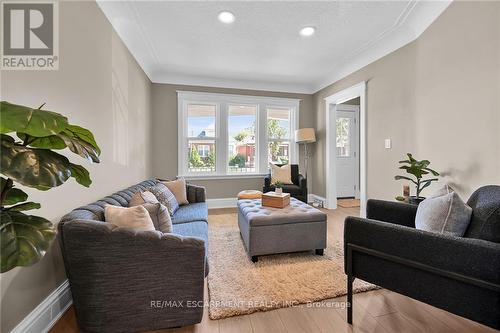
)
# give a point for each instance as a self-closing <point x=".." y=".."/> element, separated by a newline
<point x="221" y="101"/>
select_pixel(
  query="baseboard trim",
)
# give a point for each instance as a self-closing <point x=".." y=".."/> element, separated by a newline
<point x="46" y="314"/>
<point x="221" y="203"/>
<point x="312" y="197"/>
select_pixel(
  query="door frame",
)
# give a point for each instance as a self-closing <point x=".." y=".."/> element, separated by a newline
<point x="355" y="110"/>
<point x="358" y="90"/>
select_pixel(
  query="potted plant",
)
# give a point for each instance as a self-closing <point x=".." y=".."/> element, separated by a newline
<point x="417" y="170"/>
<point x="278" y="188"/>
<point x="29" y="141"/>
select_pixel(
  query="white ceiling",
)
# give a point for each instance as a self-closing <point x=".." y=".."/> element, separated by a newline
<point x="182" y="42"/>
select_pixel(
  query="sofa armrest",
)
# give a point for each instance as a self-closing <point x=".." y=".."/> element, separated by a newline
<point x="472" y="258"/>
<point x="302" y="182"/>
<point x="391" y="211"/>
<point x="195" y="193"/>
<point x="111" y="268"/>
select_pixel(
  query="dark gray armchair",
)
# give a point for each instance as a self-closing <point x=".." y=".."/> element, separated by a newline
<point x="297" y="190"/>
<point x="458" y="274"/>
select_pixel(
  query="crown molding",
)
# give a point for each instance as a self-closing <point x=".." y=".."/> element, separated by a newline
<point x="193" y="80"/>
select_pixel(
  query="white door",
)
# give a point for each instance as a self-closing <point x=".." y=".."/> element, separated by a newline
<point x="347" y="154"/>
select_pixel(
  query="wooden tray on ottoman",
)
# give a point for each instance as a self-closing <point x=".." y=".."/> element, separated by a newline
<point x="271" y="199"/>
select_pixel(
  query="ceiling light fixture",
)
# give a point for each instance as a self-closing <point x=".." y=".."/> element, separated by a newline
<point x="226" y="17"/>
<point x="307" y="31"/>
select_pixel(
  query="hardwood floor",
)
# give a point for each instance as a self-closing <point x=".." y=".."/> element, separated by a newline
<point x="374" y="311"/>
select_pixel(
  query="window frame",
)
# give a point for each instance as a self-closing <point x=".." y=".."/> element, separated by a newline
<point x="222" y="103"/>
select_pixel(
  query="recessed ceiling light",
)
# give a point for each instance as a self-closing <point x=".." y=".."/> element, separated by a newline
<point x="307" y="31"/>
<point x="226" y="17"/>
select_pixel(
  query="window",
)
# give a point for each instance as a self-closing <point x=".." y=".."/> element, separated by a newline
<point x="203" y="150"/>
<point x="232" y="135"/>
<point x="343" y="137"/>
<point x="241" y="138"/>
<point x="278" y="135"/>
<point x="201" y="143"/>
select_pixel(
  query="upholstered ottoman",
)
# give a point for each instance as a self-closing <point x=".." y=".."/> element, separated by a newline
<point x="267" y="230"/>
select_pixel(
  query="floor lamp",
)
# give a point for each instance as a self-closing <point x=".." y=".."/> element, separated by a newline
<point x="305" y="136"/>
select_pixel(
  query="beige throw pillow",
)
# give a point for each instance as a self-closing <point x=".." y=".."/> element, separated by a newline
<point x="178" y="188"/>
<point x="129" y="217"/>
<point x="140" y="198"/>
<point x="281" y="174"/>
<point x="160" y="216"/>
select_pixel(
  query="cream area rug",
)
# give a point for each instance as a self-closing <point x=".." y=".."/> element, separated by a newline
<point x="236" y="286"/>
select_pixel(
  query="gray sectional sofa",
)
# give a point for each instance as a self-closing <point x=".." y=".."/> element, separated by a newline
<point x="128" y="281"/>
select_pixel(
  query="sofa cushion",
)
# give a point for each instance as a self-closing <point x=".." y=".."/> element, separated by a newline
<point x="485" y="221"/>
<point x="193" y="212"/>
<point x="292" y="189"/>
<point x="195" y="229"/>
<point x="443" y="212"/>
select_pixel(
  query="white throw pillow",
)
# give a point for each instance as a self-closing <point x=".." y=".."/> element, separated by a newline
<point x="281" y="174"/>
<point x="443" y="212"/>
<point x="136" y="217"/>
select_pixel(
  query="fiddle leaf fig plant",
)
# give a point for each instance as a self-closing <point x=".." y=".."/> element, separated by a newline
<point x="30" y="139"/>
<point x="417" y="170"/>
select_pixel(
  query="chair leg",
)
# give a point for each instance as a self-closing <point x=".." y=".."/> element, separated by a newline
<point x="350" y="280"/>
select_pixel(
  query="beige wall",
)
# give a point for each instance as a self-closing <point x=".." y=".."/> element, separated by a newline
<point x="164" y="131"/>
<point x="101" y="87"/>
<point x="437" y="97"/>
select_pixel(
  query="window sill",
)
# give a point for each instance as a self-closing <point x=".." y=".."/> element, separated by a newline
<point x="213" y="177"/>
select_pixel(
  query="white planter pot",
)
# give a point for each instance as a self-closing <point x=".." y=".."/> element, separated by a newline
<point x="278" y="190"/>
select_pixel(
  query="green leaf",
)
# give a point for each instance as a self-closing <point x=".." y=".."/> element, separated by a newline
<point x="15" y="195"/>
<point x="84" y="135"/>
<point x="80" y="174"/>
<point x="24" y="239"/>
<point x="434" y="173"/>
<point x="46" y="142"/>
<point x="426" y="183"/>
<point x="38" y="168"/>
<point x="410" y="157"/>
<point x="80" y="147"/>
<point x="400" y="198"/>
<point x="34" y="122"/>
<point x="25" y="206"/>
<point x="403" y="177"/>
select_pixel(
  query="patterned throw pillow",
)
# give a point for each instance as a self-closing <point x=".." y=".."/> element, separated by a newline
<point x="165" y="197"/>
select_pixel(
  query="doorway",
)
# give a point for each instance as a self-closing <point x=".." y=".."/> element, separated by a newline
<point x="347" y="151"/>
<point x="346" y="147"/>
